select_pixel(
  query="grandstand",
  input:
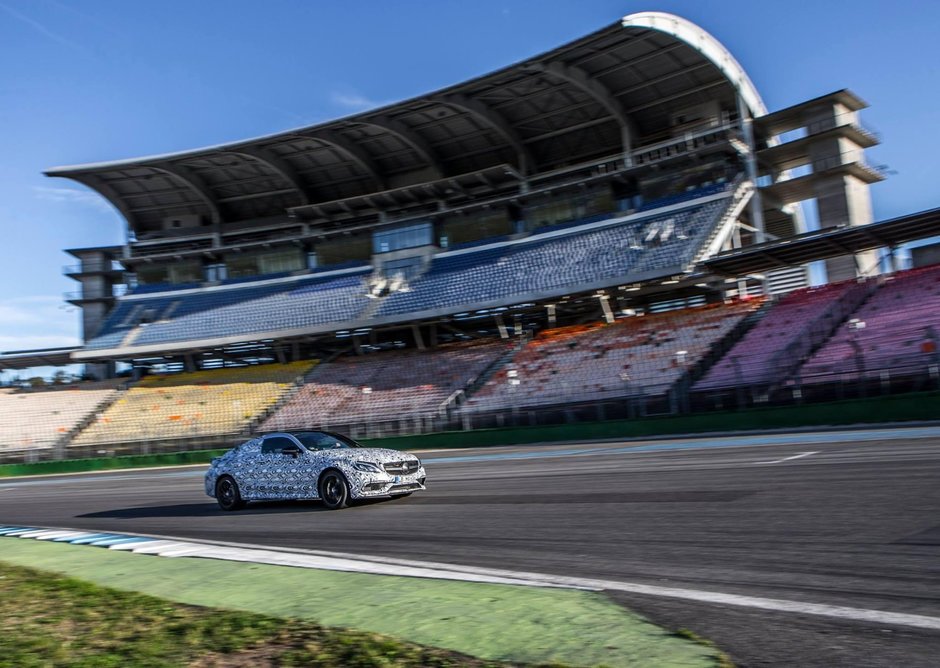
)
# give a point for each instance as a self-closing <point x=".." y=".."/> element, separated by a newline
<point x="766" y="354"/>
<point x="616" y="220"/>
<point x="41" y="420"/>
<point x="395" y="386"/>
<point x="220" y="402"/>
<point x="641" y="355"/>
<point x="895" y="332"/>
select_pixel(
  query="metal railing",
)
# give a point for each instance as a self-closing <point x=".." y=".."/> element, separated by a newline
<point x="849" y="119"/>
<point x="92" y="267"/>
<point x="682" y="145"/>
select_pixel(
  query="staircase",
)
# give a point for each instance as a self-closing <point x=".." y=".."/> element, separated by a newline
<point x="132" y="336"/>
<point x="285" y="396"/>
<point x="788" y="361"/>
<point x="63" y="441"/>
<point x="460" y="396"/>
<point x="371" y="308"/>
<point x="376" y="302"/>
<point x="743" y="191"/>
<point x="679" y="391"/>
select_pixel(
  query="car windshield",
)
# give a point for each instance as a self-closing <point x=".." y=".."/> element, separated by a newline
<point x="322" y="440"/>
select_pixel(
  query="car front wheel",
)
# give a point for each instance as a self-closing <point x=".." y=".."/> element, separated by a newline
<point x="334" y="490"/>
<point x="227" y="494"/>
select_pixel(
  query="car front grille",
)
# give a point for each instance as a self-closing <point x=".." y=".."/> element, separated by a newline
<point x="407" y="487"/>
<point x="401" y="468"/>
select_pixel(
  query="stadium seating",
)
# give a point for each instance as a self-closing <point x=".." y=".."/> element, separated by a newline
<point x="201" y="403"/>
<point x="684" y="196"/>
<point x="39" y="419"/>
<point x="748" y="361"/>
<point x="546" y="263"/>
<point x="382" y="386"/>
<point x="637" y="355"/>
<point x="552" y="264"/>
<point x="894" y="337"/>
<point x="237" y="310"/>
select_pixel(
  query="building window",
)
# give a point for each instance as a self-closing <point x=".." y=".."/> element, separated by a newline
<point x="262" y="263"/>
<point x="215" y="272"/>
<point x="411" y="236"/>
<point x="407" y="267"/>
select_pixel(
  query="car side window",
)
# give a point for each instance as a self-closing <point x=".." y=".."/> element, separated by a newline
<point x="274" y="445"/>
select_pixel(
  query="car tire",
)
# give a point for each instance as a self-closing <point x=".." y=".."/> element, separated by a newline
<point x="227" y="494"/>
<point x="333" y="489"/>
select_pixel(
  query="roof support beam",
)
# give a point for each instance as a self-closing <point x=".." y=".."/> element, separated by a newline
<point x="686" y="92"/>
<point x="874" y="237"/>
<point x="410" y="137"/>
<point x="248" y="196"/>
<point x="680" y="72"/>
<point x="594" y="88"/>
<point x="567" y="129"/>
<point x="837" y="245"/>
<point x="350" y="150"/>
<point x="278" y="165"/>
<point x="773" y="258"/>
<point x="195" y="183"/>
<point x="526" y="162"/>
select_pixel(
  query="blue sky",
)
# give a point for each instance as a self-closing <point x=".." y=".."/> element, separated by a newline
<point x="107" y="79"/>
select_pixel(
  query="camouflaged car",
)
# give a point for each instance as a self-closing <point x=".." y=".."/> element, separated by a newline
<point x="310" y="464"/>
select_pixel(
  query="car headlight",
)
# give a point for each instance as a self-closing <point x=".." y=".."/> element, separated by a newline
<point x="367" y="467"/>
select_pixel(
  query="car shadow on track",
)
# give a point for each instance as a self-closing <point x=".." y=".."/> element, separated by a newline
<point x="212" y="510"/>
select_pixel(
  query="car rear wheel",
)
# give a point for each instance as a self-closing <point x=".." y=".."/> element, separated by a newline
<point x="227" y="494"/>
<point x="334" y="490"/>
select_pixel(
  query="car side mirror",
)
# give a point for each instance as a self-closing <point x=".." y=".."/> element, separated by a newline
<point x="291" y="450"/>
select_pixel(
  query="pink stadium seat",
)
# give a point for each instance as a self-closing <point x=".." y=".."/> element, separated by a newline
<point x="895" y="335"/>
<point x="638" y="355"/>
<point x="747" y="361"/>
<point x="390" y="385"/>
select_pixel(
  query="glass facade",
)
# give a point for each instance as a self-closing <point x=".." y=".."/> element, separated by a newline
<point x="343" y="249"/>
<point x="411" y="236"/>
<point x="407" y="267"/>
<point x="178" y="272"/>
<point x="261" y="263"/>
<point x="460" y="229"/>
<point x="566" y="207"/>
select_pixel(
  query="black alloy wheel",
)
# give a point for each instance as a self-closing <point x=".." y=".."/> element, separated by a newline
<point x="227" y="494"/>
<point x="334" y="490"/>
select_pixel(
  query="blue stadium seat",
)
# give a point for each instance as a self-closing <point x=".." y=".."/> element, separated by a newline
<point x="543" y="264"/>
<point x="555" y="264"/>
<point x="251" y="309"/>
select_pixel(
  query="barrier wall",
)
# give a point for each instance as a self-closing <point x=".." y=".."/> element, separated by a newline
<point x="912" y="407"/>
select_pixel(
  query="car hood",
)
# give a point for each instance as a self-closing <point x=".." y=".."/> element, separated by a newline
<point x="376" y="455"/>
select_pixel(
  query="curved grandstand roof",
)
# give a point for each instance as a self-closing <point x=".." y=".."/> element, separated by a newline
<point x="595" y="97"/>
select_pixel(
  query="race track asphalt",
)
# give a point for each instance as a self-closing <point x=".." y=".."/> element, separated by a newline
<point x="843" y="519"/>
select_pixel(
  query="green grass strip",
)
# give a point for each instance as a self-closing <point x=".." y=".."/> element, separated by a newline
<point x="54" y="620"/>
<point x="493" y="622"/>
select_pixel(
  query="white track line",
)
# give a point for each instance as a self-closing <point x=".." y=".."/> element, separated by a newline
<point x="173" y="547"/>
<point x="475" y="574"/>
<point x="788" y="459"/>
<point x="775" y="605"/>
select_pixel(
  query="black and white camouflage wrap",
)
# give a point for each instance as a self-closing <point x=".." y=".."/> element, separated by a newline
<point x="275" y="476"/>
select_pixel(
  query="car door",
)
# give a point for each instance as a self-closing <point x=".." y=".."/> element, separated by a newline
<point x="244" y="466"/>
<point x="279" y="472"/>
